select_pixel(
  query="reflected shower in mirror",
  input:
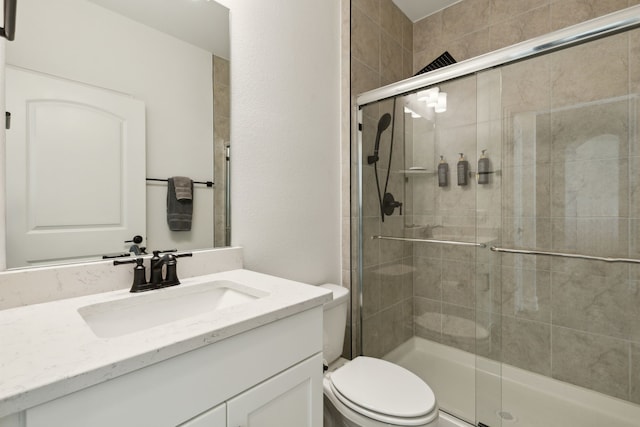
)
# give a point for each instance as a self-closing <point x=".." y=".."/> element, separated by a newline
<point x="103" y="94"/>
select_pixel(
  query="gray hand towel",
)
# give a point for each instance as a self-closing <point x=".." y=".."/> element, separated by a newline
<point x="179" y="210"/>
<point x="184" y="187"/>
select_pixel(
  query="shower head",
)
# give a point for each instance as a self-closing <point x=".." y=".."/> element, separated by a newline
<point x="383" y="124"/>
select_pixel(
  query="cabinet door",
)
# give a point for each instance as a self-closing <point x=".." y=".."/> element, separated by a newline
<point x="292" y="398"/>
<point x="216" y="417"/>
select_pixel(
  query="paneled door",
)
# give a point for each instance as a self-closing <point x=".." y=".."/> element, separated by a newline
<point x="75" y="169"/>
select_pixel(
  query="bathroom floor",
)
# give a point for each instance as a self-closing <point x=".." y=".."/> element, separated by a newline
<point x="453" y="376"/>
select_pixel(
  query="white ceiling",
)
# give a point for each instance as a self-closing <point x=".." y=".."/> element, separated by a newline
<point x="200" y="22"/>
<point x="205" y="23"/>
<point x="418" y="9"/>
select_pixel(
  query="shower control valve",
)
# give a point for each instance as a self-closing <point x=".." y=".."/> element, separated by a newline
<point x="389" y="204"/>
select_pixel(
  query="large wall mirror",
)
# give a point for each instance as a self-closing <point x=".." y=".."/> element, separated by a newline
<point x="109" y="99"/>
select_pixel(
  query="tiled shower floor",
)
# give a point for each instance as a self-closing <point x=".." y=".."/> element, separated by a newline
<point x="521" y="399"/>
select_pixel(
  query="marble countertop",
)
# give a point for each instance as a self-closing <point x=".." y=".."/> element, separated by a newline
<point x="47" y="350"/>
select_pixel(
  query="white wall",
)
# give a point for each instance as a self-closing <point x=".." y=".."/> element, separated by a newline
<point x="285" y="133"/>
<point x="75" y="39"/>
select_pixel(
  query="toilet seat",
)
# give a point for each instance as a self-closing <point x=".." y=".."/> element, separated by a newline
<point x="384" y="392"/>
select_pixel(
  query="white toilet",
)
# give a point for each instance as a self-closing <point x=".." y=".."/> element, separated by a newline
<point x="368" y="392"/>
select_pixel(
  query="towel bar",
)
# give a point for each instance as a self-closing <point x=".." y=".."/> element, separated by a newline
<point x="444" y="242"/>
<point x="564" y="255"/>
<point x="207" y="183"/>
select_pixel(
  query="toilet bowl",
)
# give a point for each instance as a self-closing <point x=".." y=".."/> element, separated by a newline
<point x="369" y="392"/>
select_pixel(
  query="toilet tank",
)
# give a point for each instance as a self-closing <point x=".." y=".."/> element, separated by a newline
<point x="334" y="322"/>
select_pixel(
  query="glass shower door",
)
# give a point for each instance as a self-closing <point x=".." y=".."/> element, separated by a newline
<point x="443" y="129"/>
<point x="430" y="302"/>
<point x="488" y="181"/>
<point x="386" y="310"/>
<point x="569" y="176"/>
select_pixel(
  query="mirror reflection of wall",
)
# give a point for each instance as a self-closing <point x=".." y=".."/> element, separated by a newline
<point x="84" y="43"/>
<point x="221" y="149"/>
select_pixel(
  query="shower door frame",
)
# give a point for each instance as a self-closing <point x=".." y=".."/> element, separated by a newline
<point x="616" y="22"/>
<point x="604" y="26"/>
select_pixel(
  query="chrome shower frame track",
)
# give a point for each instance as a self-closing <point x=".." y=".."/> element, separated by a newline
<point x="612" y="23"/>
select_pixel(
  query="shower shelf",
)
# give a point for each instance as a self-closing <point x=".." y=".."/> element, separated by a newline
<point x="428" y="172"/>
<point x="416" y="172"/>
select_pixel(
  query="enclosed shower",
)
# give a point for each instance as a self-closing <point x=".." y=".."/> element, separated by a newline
<point x="510" y="281"/>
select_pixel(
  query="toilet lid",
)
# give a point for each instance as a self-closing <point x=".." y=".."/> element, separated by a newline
<point x="384" y="387"/>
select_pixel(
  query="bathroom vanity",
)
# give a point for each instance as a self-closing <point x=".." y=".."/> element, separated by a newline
<point x="251" y="356"/>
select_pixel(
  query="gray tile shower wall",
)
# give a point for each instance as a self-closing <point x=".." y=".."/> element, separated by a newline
<point x="381" y="53"/>
<point x="473" y="27"/>
<point x="593" y="361"/>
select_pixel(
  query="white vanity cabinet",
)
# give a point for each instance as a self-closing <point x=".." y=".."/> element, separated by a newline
<point x="283" y="401"/>
<point x="267" y="376"/>
<point x="286" y="400"/>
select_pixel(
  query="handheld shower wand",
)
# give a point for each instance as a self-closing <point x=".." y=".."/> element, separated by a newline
<point x="386" y="201"/>
<point x="383" y="124"/>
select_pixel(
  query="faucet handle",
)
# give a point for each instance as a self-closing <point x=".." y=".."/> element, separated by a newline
<point x="139" y="275"/>
<point x="129" y="261"/>
<point x="172" y="268"/>
<point x="157" y="253"/>
<point x="166" y="251"/>
<point x="122" y="255"/>
<point x="171" y="277"/>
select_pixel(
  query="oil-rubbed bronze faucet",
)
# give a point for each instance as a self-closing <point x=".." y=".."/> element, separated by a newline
<point x="168" y="265"/>
<point x="163" y="271"/>
<point x="139" y="275"/>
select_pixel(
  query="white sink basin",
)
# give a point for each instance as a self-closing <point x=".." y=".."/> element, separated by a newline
<point x="142" y="311"/>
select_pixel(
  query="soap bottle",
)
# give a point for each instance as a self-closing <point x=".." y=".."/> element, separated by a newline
<point x="483" y="169"/>
<point x="443" y="173"/>
<point x="463" y="170"/>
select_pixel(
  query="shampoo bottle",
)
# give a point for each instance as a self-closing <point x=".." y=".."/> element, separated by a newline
<point x="483" y="169"/>
<point x="443" y="173"/>
<point x="463" y="170"/>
